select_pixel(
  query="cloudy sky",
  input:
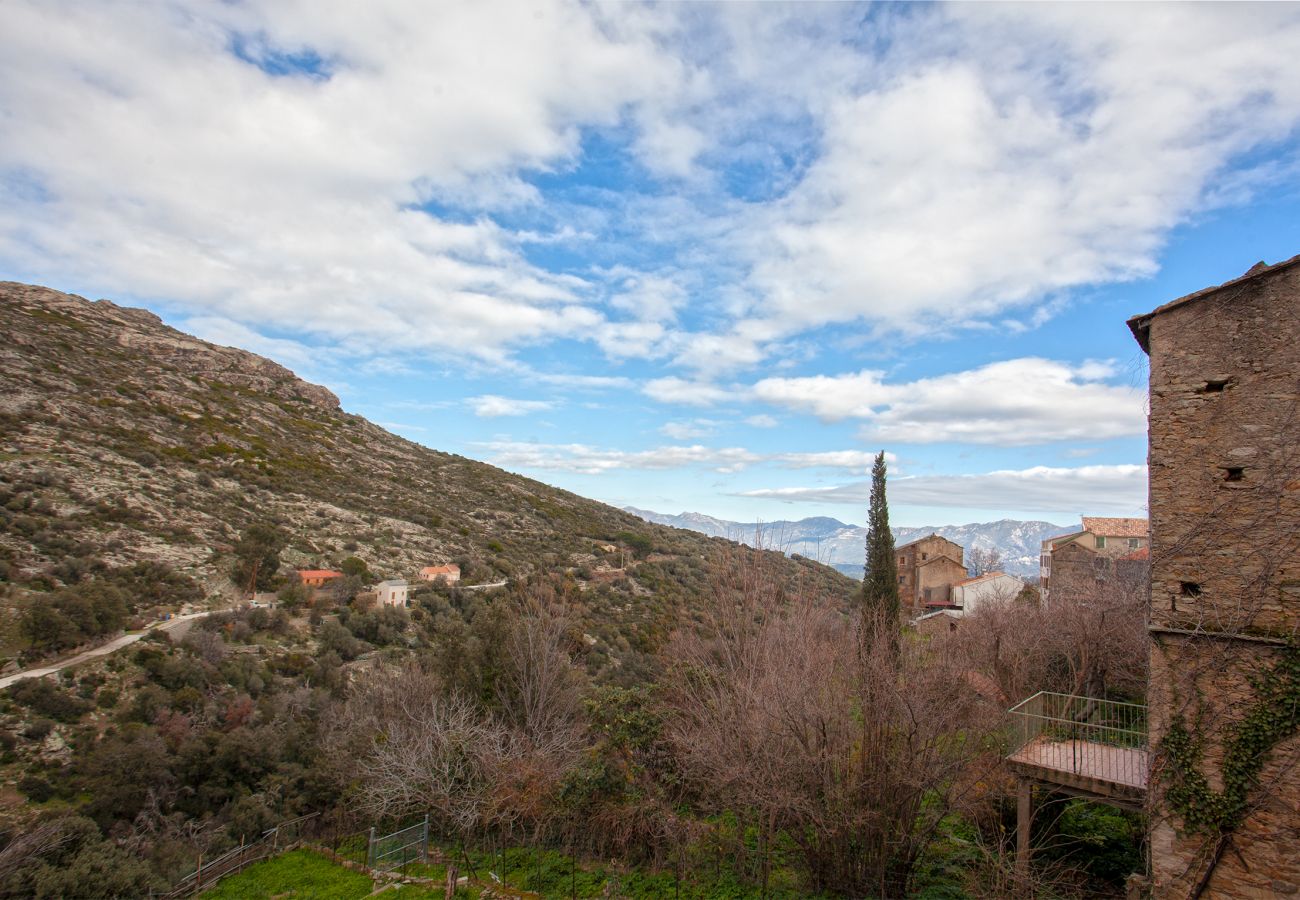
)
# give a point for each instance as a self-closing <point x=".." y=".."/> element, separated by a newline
<point x="684" y="257"/>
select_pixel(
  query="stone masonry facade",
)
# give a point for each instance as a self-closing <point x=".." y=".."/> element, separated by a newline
<point x="927" y="570"/>
<point x="1225" y="562"/>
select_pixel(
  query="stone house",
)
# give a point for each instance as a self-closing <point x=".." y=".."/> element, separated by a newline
<point x="1225" y="573"/>
<point x="392" y="592"/>
<point x="1062" y="564"/>
<point x="927" y="570"/>
<point x="449" y="573"/>
<point x="314" y="578"/>
<point x="937" y="622"/>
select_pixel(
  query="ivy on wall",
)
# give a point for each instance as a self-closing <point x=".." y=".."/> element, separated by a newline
<point x="1272" y="718"/>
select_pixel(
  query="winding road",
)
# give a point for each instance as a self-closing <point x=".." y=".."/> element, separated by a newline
<point x="104" y="649"/>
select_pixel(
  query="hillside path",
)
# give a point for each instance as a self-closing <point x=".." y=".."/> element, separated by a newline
<point x="482" y="587"/>
<point x="104" y="649"/>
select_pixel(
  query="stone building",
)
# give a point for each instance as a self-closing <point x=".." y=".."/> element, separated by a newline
<point x="1225" y="580"/>
<point x="927" y="570"/>
<point x="449" y="573"/>
<point x="1073" y="561"/>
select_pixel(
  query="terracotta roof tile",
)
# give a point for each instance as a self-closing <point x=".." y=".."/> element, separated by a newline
<point x="1116" y="527"/>
<point x="319" y="573"/>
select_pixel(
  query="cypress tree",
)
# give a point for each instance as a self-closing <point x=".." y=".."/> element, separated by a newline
<point x="880" y="580"/>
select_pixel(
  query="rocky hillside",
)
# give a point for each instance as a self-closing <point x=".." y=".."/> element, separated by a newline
<point x="842" y="545"/>
<point x="124" y="440"/>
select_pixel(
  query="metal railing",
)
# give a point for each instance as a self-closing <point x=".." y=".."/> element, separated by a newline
<point x="271" y="842"/>
<point x="1084" y="736"/>
<point x="396" y="850"/>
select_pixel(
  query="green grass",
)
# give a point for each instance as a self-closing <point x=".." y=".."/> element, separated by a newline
<point x="298" y="874"/>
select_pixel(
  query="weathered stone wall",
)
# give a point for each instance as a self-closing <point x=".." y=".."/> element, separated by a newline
<point x="915" y="576"/>
<point x="938" y="575"/>
<point x="1225" y="529"/>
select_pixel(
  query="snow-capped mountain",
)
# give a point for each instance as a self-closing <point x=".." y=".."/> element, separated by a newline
<point x="842" y="545"/>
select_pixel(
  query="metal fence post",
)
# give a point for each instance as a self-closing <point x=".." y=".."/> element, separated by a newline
<point x="370" y="849"/>
<point x="424" y="844"/>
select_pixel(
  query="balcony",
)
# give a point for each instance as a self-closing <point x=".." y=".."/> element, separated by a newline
<point x="1095" y="748"/>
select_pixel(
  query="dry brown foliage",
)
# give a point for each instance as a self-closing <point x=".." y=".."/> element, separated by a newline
<point x="787" y="711"/>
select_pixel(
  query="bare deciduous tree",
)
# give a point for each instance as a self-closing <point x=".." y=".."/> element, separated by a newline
<point x="408" y="744"/>
<point x="786" y="711"/>
<point x="983" y="560"/>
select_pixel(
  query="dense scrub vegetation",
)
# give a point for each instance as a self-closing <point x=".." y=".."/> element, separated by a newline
<point x="768" y="743"/>
<point x="678" y="704"/>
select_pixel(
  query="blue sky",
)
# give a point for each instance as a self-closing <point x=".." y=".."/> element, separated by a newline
<point x="683" y="257"/>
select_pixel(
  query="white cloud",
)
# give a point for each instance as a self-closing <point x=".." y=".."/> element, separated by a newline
<point x="1011" y="403"/>
<point x="762" y="420"/>
<point x="291" y="198"/>
<point x="1069" y="492"/>
<point x="589" y="460"/>
<point x="594" y="460"/>
<point x="688" y="431"/>
<point x="854" y="460"/>
<point x="489" y="406"/>
<point x="919" y="171"/>
<point x="991" y="158"/>
<point x="582" y="382"/>
<point x="649" y="297"/>
<point x="688" y="393"/>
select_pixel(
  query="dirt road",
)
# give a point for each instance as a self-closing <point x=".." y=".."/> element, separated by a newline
<point x="103" y="650"/>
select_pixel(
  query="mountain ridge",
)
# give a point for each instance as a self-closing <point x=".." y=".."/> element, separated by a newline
<point x="123" y="440"/>
<point x="841" y="544"/>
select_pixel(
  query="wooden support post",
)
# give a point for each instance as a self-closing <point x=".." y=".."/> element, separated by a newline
<point x="1024" y="819"/>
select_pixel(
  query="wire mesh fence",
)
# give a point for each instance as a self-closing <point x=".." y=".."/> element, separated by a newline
<point x="271" y="842"/>
<point x="400" y="848"/>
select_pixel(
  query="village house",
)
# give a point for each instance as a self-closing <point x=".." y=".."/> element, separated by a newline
<point x="449" y="573"/>
<point x="392" y="592"/>
<point x="995" y="587"/>
<point x="1072" y="561"/>
<point x="927" y="570"/>
<point x="1225" y="577"/>
<point x="314" y="578"/>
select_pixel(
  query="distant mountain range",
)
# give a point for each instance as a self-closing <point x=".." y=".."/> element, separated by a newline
<point x="841" y="545"/>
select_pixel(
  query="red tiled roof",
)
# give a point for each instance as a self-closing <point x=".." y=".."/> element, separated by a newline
<point x="319" y="573"/>
<point x="440" y="570"/>
<point x="1116" y="527"/>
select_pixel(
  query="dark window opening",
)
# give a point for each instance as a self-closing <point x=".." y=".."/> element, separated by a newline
<point x="1234" y="473"/>
<point x="1215" y="386"/>
<point x="1190" y="589"/>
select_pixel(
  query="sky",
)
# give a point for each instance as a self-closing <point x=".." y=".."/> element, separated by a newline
<point x="704" y="257"/>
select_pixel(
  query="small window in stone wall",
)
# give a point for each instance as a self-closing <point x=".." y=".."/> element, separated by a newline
<point x="1189" y="589"/>
<point x="1234" y="473"/>
<point x="1215" y="386"/>
<point x="1101" y="542"/>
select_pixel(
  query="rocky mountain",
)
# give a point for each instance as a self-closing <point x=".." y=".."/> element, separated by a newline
<point x="841" y="545"/>
<point x="123" y="440"/>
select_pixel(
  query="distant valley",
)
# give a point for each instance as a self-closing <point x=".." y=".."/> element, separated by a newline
<point x="839" y="544"/>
